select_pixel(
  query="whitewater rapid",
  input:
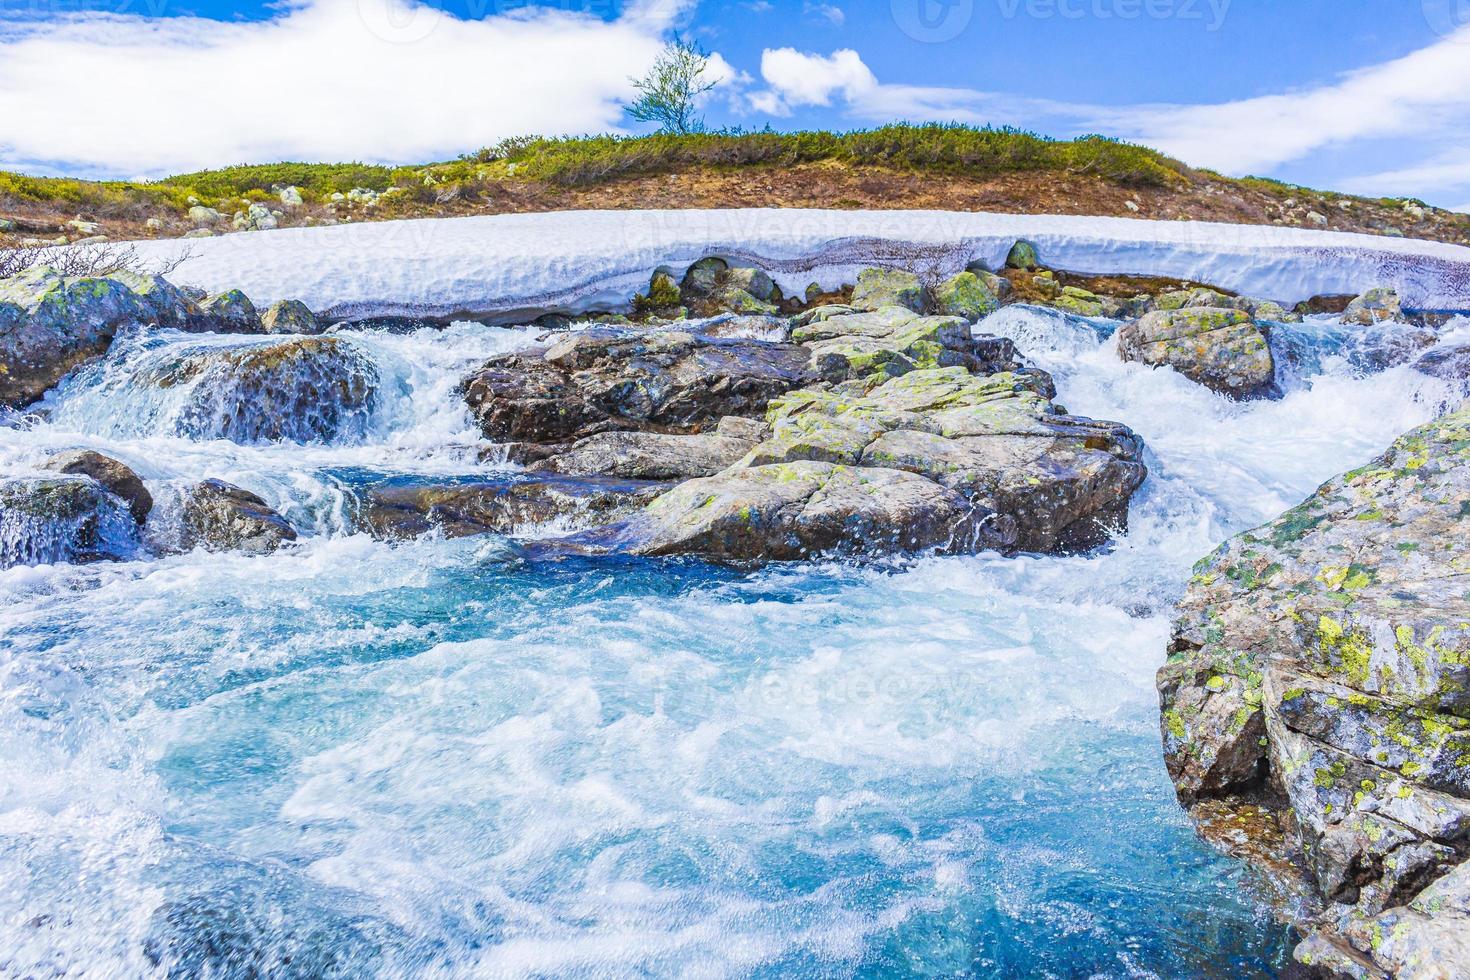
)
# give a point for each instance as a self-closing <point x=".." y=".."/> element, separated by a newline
<point x="440" y="758"/>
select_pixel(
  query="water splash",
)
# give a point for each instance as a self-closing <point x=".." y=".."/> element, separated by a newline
<point x="437" y="758"/>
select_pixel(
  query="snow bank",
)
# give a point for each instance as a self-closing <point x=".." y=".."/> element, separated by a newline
<point x="575" y="260"/>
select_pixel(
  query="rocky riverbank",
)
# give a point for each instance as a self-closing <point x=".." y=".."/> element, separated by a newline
<point x="1313" y="696"/>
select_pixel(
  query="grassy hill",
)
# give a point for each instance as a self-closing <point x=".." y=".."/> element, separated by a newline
<point x="933" y="166"/>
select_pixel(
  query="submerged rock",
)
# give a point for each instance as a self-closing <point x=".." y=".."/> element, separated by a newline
<point x="935" y="458"/>
<point x="1224" y="350"/>
<point x="219" y="516"/>
<point x="311" y="389"/>
<point x="1323" y="660"/>
<point x="410" y="507"/>
<point x="607" y="380"/>
<point x="64" y="518"/>
<point x="114" y="476"/>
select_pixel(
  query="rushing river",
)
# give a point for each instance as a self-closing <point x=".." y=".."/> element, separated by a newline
<point x="439" y="758"/>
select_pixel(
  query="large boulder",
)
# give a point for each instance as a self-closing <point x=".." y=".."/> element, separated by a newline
<point x="713" y="286"/>
<point x="308" y="389"/>
<point x="409" y="507"/>
<point x="791" y="511"/>
<point x="117" y="478"/>
<point x="220" y="516"/>
<point x="936" y="457"/>
<point x="1224" y="350"/>
<point x="49" y="324"/>
<point x="879" y="288"/>
<point x="62" y="518"/>
<point x="606" y="380"/>
<point x="1321" y="664"/>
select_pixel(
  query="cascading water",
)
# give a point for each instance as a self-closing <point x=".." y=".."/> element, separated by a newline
<point x="440" y="758"/>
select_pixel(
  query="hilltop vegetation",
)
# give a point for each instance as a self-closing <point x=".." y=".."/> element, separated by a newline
<point x="900" y="166"/>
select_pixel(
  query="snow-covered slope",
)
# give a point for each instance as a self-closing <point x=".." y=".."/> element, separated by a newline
<point x="573" y="260"/>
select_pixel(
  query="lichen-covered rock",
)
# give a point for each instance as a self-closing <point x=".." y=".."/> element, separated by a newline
<point x="1023" y="255"/>
<point x="289" y="316"/>
<point x="935" y="458"/>
<point x="893" y="341"/>
<point x="879" y="288"/>
<point x="1374" y="306"/>
<point x="713" y="286"/>
<point x="654" y="455"/>
<point x="409" y="507"/>
<point x="607" y="379"/>
<point x="219" y="516"/>
<point x="966" y="295"/>
<point x="1224" y="350"/>
<point x="1325" y="657"/>
<point x="64" y="518"/>
<point x="49" y="324"/>
<point x="229" y="312"/>
<point x="117" y="478"/>
<point x="790" y="511"/>
<point x="306" y="389"/>
<point x="1082" y="302"/>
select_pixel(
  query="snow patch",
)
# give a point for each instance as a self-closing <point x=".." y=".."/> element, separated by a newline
<point x="572" y="261"/>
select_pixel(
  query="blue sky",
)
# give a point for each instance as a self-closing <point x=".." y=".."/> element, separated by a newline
<point x="1359" y="95"/>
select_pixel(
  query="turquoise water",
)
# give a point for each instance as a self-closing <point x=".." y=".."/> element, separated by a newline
<point x="450" y="758"/>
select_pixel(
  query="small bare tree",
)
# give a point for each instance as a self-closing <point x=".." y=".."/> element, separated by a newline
<point x="87" y="260"/>
<point x="668" y="94"/>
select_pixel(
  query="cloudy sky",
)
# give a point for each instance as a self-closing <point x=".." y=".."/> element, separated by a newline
<point x="1358" y="95"/>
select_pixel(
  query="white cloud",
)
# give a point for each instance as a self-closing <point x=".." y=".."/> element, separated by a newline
<point x="376" y="80"/>
<point x="1425" y="94"/>
<point x="829" y="12"/>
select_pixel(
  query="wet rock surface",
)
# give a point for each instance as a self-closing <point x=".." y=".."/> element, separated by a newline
<point x="311" y="389"/>
<point x="62" y="518"/>
<point x="1322" y="662"/>
<point x="409" y="507"/>
<point x="608" y="380"/>
<point x="219" y="516"/>
<point x="1224" y="350"/>
<point x="114" y="476"/>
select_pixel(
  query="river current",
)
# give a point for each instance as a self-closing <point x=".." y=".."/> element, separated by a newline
<point x="447" y="758"/>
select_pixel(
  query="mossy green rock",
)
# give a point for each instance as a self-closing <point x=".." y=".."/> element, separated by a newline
<point x="879" y="288"/>
<point x="229" y="312"/>
<point x="49" y="324"/>
<point x="965" y="295"/>
<point x="1222" y="349"/>
<point x="291" y="316"/>
<point x="935" y="458"/>
<point x="1023" y="255"/>
<point x="1326" y="656"/>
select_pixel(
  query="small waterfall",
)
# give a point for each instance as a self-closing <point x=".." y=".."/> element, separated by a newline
<point x="246" y="390"/>
<point x="49" y="519"/>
